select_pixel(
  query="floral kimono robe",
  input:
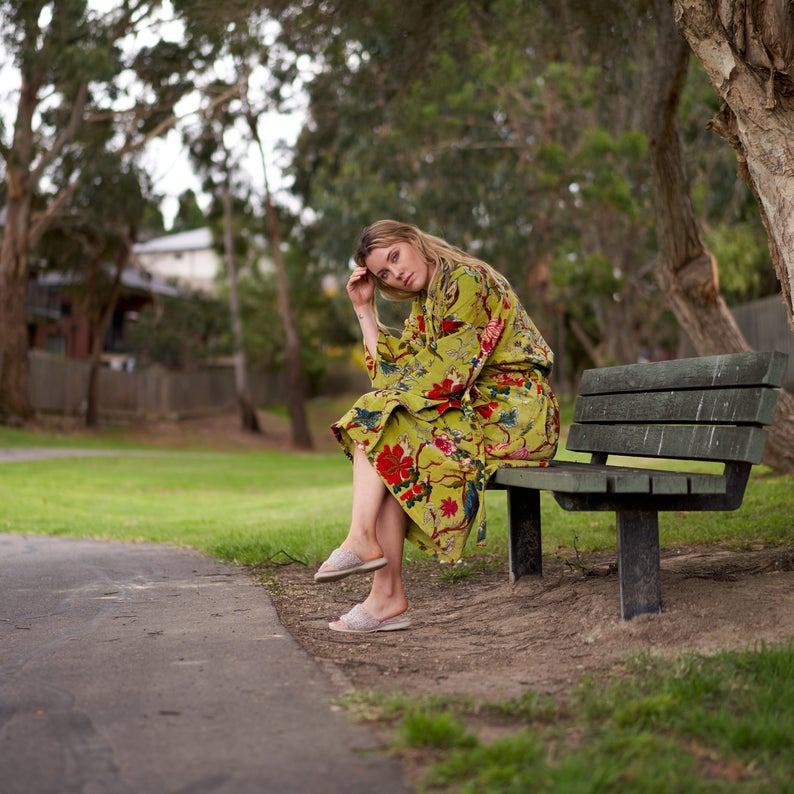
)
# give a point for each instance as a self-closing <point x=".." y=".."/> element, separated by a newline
<point x="461" y="392"/>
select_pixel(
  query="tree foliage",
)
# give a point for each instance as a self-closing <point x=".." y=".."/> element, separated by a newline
<point x="517" y="130"/>
<point x="85" y="76"/>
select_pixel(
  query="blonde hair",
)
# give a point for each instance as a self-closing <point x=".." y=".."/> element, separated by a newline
<point x="434" y="250"/>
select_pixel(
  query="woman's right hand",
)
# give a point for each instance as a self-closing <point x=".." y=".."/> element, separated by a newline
<point x="361" y="288"/>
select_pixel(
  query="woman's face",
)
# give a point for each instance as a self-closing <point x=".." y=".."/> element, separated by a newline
<point x="400" y="265"/>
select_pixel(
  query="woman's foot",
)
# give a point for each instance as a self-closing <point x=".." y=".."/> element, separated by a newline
<point x="360" y="621"/>
<point x="343" y="562"/>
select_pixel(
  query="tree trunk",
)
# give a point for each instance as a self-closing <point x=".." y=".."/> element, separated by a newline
<point x="686" y="269"/>
<point x="100" y="316"/>
<point x="15" y="405"/>
<point x="249" y="421"/>
<point x="296" y="388"/>
<point x="747" y="50"/>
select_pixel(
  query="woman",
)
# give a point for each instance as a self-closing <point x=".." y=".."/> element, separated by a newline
<point x="463" y="391"/>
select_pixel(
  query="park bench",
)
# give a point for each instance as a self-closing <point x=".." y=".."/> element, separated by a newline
<point x="711" y="408"/>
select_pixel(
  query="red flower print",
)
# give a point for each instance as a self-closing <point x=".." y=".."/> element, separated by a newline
<point x="420" y="323"/>
<point x="450" y="326"/>
<point x="449" y="507"/>
<point x="450" y="385"/>
<point x="445" y="444"/>
<point x="448" y="390"/>
<point x="486" y="411"/>
<point x="490" y="335"/>
<point x="510" y="379"/>
<point x="394" y="465"/>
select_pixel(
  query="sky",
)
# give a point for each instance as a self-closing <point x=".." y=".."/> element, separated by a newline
<point x="167" y="162"/>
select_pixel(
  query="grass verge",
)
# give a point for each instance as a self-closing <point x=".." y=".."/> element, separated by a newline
<point x="722" y="723"/>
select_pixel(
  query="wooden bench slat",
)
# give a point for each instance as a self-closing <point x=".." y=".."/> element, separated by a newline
<point x="706" y="484"/>
<point x="627" y="480"/>
<point x="707" y="372"/>
<point x="719" y="406"/>
<point x="670" y="485"/>
<point x="570" y="478"/>
<point x="685" y="442"/>
<point x="575" y="477"/>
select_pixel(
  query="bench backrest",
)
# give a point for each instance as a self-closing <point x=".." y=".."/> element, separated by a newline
<point x="710" y="408"/>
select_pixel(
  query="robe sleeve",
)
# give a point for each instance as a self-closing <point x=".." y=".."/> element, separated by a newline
<point x="393" y="355"/>
<point x="462" y="325"/>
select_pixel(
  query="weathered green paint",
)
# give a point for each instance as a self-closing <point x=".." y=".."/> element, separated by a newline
<point x="718" y="406"/>
<point x="703" y="409"/>
<point x="685" y="442"/>
<point x="706" y="372"/>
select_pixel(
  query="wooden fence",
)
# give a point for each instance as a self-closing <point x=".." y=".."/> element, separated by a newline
<point x="765" y="324"/>
<point x="58" y="385"/>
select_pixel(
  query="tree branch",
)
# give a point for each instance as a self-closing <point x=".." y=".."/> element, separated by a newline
<point x="43" y="220"/>
<point x="67" y="135"/>
<point x="170" y="122"/>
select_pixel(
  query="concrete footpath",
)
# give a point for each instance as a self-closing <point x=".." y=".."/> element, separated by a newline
<point x="147" y="669"/>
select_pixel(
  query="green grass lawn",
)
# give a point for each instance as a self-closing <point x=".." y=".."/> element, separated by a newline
<point x="247" y="506"/>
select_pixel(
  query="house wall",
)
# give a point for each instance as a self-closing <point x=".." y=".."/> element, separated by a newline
<point x="69" y="336"/>
<point x="195" y="269"/>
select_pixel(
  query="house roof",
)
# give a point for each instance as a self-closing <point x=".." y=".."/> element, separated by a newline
<point x="132" y="278"/>
<point x="193" y="240"/>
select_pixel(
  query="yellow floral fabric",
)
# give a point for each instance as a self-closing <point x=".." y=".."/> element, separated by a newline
<point x="463" y="391"/>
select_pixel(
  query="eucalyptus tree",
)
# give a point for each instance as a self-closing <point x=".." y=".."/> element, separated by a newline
<point x="76" y="65"/>
<point x="189" y="214"/>
<point x="686" y="267"/>
<point x="747" y="50"/>
<point x="296" y="384"/>
<point x="90" y="242"/>
<point x="218" y="161"/>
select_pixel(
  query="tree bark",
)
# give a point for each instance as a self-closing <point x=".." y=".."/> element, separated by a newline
<point x="747" y="50"/>
<point x="15" y="405"/>
<point x="296" y="387"/>
<point x="686" y="269"/>
<point x="249" y="421"/>
<point x="100" y="313"/>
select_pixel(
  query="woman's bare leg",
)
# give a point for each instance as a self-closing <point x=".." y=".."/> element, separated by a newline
<point x="368" y="495"/>
<point x="387" y="598"/>
<point x="377" y="529"/>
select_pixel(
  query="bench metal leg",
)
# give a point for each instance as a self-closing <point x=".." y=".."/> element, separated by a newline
<point x="523" y="519"/>
<point x="638" y="563"/>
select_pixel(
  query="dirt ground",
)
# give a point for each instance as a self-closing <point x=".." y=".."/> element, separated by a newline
<point x="474" y="634"/>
